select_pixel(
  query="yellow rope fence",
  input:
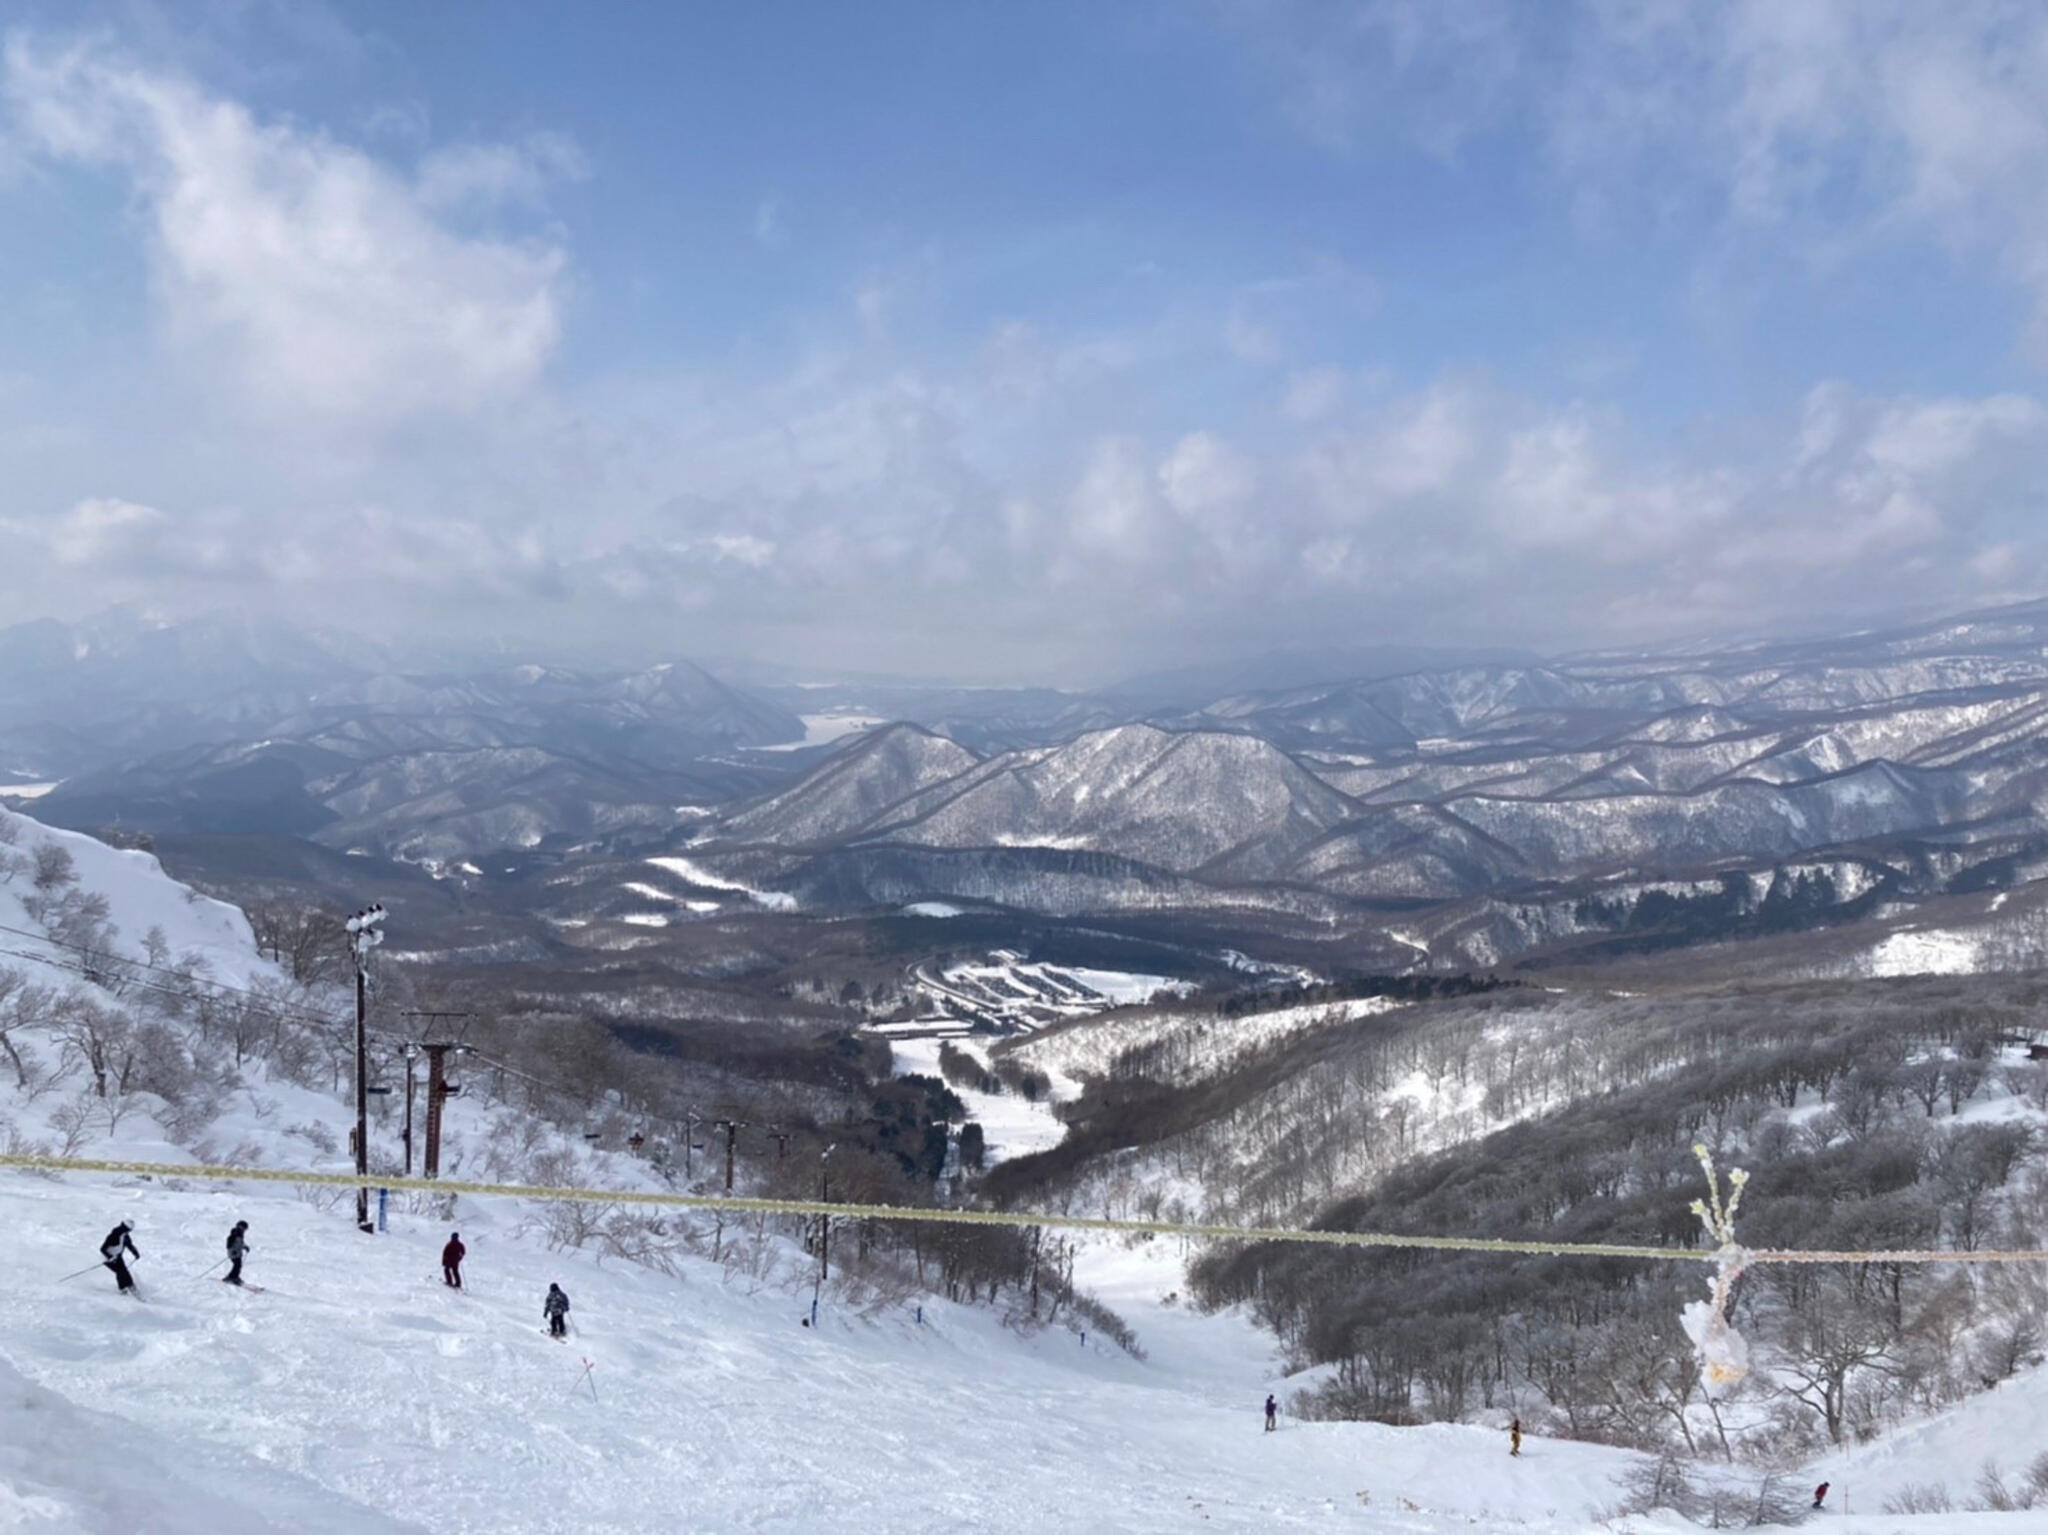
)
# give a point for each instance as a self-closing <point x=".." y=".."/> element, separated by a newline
<point x="744" y="1204"/>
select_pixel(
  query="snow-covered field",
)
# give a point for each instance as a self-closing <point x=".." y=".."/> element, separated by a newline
<point x="695" y="876"/>
<point x="1014" y="1126"/>
<point x="1928" y="952"/>
<point x="1007" y="992"/>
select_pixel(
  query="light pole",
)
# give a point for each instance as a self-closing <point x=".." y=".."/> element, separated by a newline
<point x="365" y="932"/>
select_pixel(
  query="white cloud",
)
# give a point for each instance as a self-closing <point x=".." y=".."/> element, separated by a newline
<point x="1823" y="124"/>
<point x="1045" y="496"/>
<point x="742" y="548"/>
<point x="1203" y="474"/>
<point x="1115" y="505"/>
<point x="1314" y="394"/>
<point x="103" y="530"/>
<point x="471" y="177"/>
<point x="324" y="278"/>
<point x="1250" y="340"/>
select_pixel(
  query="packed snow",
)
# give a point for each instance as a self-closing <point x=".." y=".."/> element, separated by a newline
<point x="696" y="874"/>
<point x="1013" y="1124"/>
<point x="1926" y="952"/>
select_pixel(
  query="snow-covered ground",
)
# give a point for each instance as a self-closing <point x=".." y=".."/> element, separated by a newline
<point x="1926" y="952"/>
<point x="1203" y="1044"/>
<point x="824" y="729"/>
<point x="356" y="1382"/>
<point x="1006" y="991"/>
<point x="695" y="874"/>
<point x="1014" y="1126"/>
<point x="141" y="900"/>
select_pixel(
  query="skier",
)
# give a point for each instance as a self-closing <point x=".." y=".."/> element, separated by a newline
<point x="1515" y="1437"/>
<point x="451" y="1261"/>
<point x="556" y="1309"/>
<point x="1272" y="1413"/>
<point x="238" y="1244"/>
<point x="110" y="1254"/>
<point x="1820" y="1494"/>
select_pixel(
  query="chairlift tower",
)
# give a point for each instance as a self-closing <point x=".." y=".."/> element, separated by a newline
<point x="439" y="1090"/>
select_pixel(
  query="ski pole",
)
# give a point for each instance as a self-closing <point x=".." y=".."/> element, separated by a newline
<point x="209" y="1271"/>
<point x="589" y="1376"/>
<point x="86" y="1270"/>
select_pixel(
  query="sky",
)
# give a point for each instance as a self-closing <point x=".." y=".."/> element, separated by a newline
<point x="1024" y="343"/>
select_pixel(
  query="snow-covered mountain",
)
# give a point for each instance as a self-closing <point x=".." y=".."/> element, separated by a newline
<point x="1486" y="809"/>
<point x="212" y="726"/>
<point x="355" y="1391"/>
<point x="1508" y="806"/>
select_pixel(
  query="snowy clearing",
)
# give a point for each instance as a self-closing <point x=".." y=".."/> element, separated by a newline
<point x="696" y="874"/>
<point x="1006" y="993"/>
<point x="824" y="729"/>
<point x="1014" y="1126"/>
<point x="1926" y="952"/>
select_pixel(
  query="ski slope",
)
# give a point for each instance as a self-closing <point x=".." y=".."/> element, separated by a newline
<point x="360" y="1386"/>
<point x="357" y="1393"/>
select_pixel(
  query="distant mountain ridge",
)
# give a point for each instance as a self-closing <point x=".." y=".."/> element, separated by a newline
<point x="1465" y="813"/>
<point x="1574" y="786"/>
<point x="225" y="725"/>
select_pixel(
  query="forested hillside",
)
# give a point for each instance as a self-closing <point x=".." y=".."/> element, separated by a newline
<point x="1881" y="1115"/>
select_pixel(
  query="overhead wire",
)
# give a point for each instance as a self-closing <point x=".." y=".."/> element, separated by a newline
<point x="214" y="987"/>
<point x="1413" y="1241"/>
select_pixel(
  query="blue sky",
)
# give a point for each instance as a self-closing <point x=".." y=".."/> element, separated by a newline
<point x="1024" y="342"/>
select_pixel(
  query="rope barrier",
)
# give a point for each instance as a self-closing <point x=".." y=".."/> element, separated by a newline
<point x="750" y="1205"/>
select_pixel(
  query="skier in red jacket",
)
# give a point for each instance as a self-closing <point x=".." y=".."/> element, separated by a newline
<point x="451" y="1260"/>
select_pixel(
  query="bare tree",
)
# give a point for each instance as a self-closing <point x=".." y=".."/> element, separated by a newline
<point x="1829" y="1345"/>
<point x="304" y="940"/>
<point x="98" y="1035"/>
<point x="21" y="1006"/>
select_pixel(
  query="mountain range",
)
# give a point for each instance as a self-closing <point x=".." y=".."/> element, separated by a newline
<point x="1468" y="812"/>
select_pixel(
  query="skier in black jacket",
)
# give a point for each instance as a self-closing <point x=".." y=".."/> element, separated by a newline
<point x="556" y="1309"/>
<point x="238" y="1245"/>
<point x="111" y="1255"/>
